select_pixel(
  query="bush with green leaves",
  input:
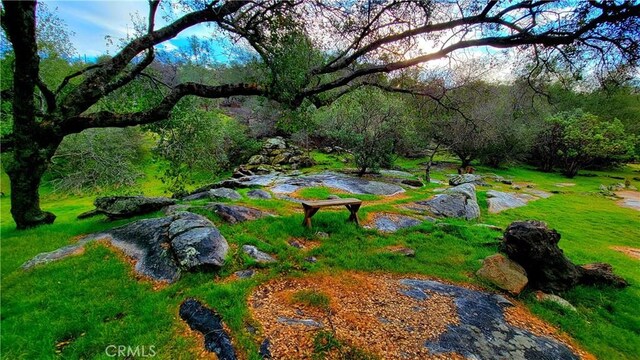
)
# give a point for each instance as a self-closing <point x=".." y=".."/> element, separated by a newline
<point x="197" y="141"/>
<point x="575" y="139"/>
<point x="366" y="122"/>
<point x="96" y="159"/>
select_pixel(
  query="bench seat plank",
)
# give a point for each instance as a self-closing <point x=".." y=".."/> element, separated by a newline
<point x="332" y="202"/>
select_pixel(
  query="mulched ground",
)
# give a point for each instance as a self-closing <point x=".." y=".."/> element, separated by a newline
<point x="366" y="311"/>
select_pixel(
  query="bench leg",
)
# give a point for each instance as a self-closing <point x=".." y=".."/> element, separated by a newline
<point x="308" y="213"/>
<point x="353" y="210"/>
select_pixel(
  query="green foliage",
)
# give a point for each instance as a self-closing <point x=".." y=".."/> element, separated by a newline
<point x="96" y="159"/>
<point x="289" y="57"/>
<point x="366" y="122"/>
<point x="573" y="140"/>
<point x="197" y="140"/>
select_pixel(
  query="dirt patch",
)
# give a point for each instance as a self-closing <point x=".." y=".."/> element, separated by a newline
<point x="629" y="251"/>
<point x="630" y="199"/>
<point x="365" y="311"/>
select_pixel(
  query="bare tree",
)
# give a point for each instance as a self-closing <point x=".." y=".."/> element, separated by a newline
<point x="374" y="37"/>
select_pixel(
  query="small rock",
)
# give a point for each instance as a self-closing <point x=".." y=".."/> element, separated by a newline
<point x="333" y="197"/>
<point x="408" y="252"/>
<point x="245" y="274"/>
<point x="265" y="352"/>
<point x="311" y="259"/>
<point x="541" y="296"/>
<point x="322" y="235"/>
<point x="506" y="182"/>
<point x="296" y="244"/>
<point x="465" y="179"/>
<point x="504" y="273"/>
<point x="197" y="196"/>
<point x="258" y="194"/>
<point x="305" y="322"/>
<point x="258" y="255"/>
<point x="224" y="193"/>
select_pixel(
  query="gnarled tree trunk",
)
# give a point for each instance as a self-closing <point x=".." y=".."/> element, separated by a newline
<point x="32" y="147"/>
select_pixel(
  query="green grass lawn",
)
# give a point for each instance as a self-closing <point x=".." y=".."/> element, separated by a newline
<point x="76" y="307"/>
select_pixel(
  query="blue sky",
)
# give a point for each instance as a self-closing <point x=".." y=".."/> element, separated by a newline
<point x="93" y="21"/>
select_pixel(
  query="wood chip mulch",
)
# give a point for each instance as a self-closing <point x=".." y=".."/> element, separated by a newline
<point x="366" y="311"/>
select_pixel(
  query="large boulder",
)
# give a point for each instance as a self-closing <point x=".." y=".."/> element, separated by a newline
<point x="503" y="273"/>
<point x="457" y="202"/>
<point x="122" y="207"/>
<point x="535" y="247"/>
<point x="161" y="248"/>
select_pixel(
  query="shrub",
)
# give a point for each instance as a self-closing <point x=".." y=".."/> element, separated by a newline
<point x="96" y="158"/>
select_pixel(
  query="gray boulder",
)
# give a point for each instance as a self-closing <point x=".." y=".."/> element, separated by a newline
<point x="236" y="214"/>
<point x="161" y="248"/>
<point x="457" y="202"/>
<point x="122" y="207"/>
<point x="224" y="193"/>
<point x="258" y="194"/>
<point x="258" y="255"/>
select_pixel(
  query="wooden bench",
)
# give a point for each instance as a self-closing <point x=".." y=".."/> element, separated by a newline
<point x="312" y="207"/>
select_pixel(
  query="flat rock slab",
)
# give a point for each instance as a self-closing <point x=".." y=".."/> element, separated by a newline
<point x="393" y="317"/>
<point x="161" y="247"/>
<point x="392" y="222"/>
<point x="396" y="173"/>
<point x="500" y="201"/>
<point x="282" y="184"/>
<point x="258" y="194"/>
<point x="482" y="331"/>
<point x="630" y="199"/>
<point x="236" y="214"/>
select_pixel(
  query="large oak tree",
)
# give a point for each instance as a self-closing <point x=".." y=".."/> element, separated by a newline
<point x="351" y="40"/>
